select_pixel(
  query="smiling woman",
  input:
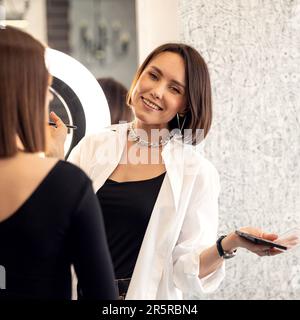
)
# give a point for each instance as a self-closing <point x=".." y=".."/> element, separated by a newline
<point x="180" y="73"/>
<point x="161" y="216"/>
<point x="158" y="90"/>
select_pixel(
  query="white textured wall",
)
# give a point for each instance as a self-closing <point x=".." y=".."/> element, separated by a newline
<point x="157" y="23"/>
<point x="252" y="48"/>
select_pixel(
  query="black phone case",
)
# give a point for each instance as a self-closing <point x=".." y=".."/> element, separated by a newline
<point x="257" y="240"/>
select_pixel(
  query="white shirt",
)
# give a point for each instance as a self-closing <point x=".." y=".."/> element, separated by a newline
<point x="183" y="223"/>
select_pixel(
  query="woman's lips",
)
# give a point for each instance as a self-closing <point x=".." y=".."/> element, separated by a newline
<point x="150" y="105"/>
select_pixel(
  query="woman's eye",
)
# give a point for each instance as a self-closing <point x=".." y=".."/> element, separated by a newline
<point x="174" y="89"/>
<point x="153" y="76"/>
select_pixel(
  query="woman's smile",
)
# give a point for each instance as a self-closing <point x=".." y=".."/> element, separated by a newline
<point x="150" y="105"/>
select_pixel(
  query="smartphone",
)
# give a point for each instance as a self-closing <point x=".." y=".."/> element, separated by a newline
<point x="258" y="240"/>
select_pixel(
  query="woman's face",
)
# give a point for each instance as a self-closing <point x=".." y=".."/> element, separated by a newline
<point x="160" y="92"/>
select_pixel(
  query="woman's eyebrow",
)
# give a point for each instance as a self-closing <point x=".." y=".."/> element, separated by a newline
<point x="173" y="80"/>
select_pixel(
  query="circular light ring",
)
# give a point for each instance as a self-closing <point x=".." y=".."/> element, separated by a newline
<point x="74" y="113"/>
<point x="84" y="85"/>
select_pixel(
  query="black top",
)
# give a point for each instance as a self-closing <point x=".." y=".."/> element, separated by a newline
<point x="127" y="207"/>
<point x="59" y="224"/>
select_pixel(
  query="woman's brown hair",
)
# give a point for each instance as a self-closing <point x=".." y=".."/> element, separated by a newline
<point x="198" y="88"/>
<point x="115" y="94"/>
<point x="23" y="84"/>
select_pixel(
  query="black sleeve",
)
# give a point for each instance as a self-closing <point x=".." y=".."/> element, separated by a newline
<point x="89" y="249"/>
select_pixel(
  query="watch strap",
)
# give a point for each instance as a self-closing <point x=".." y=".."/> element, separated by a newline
<point x="219" y="246"/>
<point x="222" y="253"/>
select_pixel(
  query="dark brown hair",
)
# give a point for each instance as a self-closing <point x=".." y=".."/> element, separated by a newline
<point x="23" y="84"/>
<point x="115" y="94"/>
<point x="198" y="87"/>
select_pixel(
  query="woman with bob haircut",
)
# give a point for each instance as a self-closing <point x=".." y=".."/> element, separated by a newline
<point x="158" y="193"/>
<point x="49" y="215"/>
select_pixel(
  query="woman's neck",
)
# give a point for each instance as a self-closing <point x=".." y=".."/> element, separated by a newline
<point x="20" y="156"/>
<point x="151" y="132"/>
<point x="145" y="126"/>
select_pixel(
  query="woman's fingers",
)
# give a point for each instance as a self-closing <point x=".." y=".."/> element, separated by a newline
<point x="256" y="248"/>
<point x="269" y="236"/>
<point x="275" y="251"/>
<point x="60" y="130"/>
<point x="57" y="137"/>
<point x="55" y="118"/>
<point x="289" y="241"/>
<point x="267" y="252"/>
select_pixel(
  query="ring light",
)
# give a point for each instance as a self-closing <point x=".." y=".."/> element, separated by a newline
<point x="78" y="97"/>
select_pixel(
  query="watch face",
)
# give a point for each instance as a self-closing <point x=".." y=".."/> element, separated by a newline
<point x="77" y="97"/>
<point x="228" y="255"/>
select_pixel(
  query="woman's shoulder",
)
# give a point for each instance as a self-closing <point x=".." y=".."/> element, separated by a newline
<point x="69" y="173"/>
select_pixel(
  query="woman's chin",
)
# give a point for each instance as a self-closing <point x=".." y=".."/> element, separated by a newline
<point x="145" y="118"/>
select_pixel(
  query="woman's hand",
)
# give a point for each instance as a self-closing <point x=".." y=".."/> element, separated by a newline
<point x="210" y="258"/>
<point x="57" y="137"/>
<point x="259" y="249"/>
<point x="233" y="241"/>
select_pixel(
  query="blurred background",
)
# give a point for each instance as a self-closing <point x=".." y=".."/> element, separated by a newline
<point x="252" y="48"/>
<point x="109" y="37"/>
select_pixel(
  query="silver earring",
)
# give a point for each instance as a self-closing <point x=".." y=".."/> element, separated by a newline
<point x="178" y="122"/>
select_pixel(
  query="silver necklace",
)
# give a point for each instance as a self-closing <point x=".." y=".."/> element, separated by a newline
<point x="135" y="137"/>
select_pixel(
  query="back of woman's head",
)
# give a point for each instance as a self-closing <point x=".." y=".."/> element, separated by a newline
<point x="23" y="84"/>
<point x="115" y="94"/>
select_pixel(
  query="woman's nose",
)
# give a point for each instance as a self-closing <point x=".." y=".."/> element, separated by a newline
<point x="157" y="92"/>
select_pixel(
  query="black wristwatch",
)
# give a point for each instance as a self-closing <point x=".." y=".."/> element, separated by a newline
<point x="222" y="253"/>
